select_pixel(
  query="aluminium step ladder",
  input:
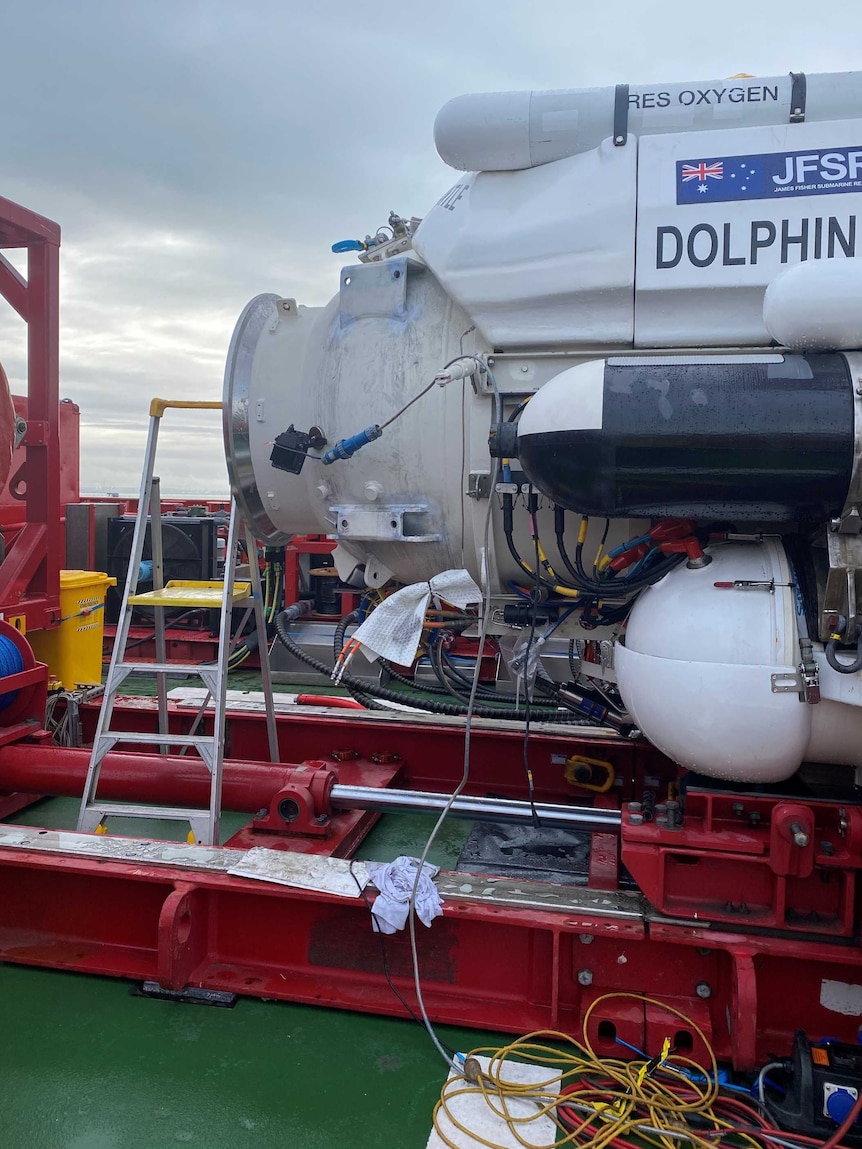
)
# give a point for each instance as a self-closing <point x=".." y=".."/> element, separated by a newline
<point x="225" y="595"/>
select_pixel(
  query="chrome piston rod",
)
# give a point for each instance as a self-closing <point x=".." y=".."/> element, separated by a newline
<point x="483" y="809"/>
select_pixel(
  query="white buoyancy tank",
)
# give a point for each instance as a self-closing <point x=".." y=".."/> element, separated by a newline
<point x="508" y="131"/>
<point x="698" y="672"/>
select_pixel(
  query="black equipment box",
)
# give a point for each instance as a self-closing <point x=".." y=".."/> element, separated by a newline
<point x="822" y="1087"/>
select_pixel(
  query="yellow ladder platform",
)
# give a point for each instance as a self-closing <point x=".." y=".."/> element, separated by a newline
<point x="187" y="593"/>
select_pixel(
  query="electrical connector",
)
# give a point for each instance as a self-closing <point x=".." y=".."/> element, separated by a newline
<point x="460" y="369"/>
<point x="345" y="448"/>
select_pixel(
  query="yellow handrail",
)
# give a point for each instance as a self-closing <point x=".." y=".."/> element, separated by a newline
<point x="159" y="406"/>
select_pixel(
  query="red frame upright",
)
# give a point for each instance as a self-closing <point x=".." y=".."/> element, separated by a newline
<point x="30" y="573"/>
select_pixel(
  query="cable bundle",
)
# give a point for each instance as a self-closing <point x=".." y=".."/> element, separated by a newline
<point x="273" y="591"/>
<point x="597" y="1102"/>
<point x="604" y="582"/>
<point x="65" y="728"/>
<point x="367" y="692"/>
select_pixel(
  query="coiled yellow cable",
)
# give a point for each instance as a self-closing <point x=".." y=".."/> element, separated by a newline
<point x="649" y="1099"/>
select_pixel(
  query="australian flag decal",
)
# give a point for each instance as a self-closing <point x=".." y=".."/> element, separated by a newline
<point x="773" y="175"/>
<point x="702" y="171"/>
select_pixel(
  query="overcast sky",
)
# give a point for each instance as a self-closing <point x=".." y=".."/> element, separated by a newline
<point x="198" y="152"/>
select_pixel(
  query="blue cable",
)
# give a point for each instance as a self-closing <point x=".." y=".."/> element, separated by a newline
<point x="11" y="662"/>
<point x="560" y="621"/>
<point x="627" y="546"/>
<point x="641" y="563"/>
<point x="519" y="592"/>
<point x="723" y="1078"/>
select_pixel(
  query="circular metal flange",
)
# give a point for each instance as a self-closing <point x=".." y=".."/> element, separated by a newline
<point x="256" y="318"/>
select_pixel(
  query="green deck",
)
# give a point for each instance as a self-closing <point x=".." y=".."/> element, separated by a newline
<point x="84" y="1065"/>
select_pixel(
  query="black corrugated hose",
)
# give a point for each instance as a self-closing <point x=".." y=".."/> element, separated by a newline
<point x="364" y="691"/>
<point x="447" y="688"/>
<point x="832" y="650"/>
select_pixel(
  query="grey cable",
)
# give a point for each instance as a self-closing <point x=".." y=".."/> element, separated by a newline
<point x="760" y="1078"/>
<point x="468" y="729"/>
<point x="415" y="399"/>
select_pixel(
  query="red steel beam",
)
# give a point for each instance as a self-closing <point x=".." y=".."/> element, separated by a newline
<point x="20" y="227"/>
<point x="43" y="407"/>
<point x="432" y="752"/>
<point x="13" y="287"/>
<point x="491" y="966"/>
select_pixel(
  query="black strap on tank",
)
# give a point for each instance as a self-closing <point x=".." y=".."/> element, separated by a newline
<point x="621" y="115"/>
<point x="798" y="95"/>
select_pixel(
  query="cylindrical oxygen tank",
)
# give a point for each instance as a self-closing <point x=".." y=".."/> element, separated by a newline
<point x="766" y="438"/>
<point x="507" y="131"/>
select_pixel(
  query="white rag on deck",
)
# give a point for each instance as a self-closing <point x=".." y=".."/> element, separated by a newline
<point x="395" y="881"/>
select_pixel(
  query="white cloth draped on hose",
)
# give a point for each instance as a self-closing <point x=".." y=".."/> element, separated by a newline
<point x="394" y="628"/>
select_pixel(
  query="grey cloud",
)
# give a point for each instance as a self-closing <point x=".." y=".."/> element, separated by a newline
<point x="198" y="152"/>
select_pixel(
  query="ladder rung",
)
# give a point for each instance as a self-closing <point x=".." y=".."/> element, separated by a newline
<point x="156" y="739"/>
<point x="134" y="810"/>
<point x="184" y="668"/>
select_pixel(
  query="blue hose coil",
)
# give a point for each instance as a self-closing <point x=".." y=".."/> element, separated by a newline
<point x="11" y="662"/>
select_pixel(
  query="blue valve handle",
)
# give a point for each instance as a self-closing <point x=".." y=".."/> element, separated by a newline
<point x="344" y="448"/>
<point x="348" y="245"/>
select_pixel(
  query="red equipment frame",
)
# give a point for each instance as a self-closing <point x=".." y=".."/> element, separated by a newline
<point x="30" y="573"/>
<point x="301" y="545"/>
<point x="293" y="551"/>
<point x="506" y="955"/>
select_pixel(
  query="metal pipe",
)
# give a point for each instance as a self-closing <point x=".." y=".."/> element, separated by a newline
<point x="487" y="809"/>
<point x="250" y="786"/>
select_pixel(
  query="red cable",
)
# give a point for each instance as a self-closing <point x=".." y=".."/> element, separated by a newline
<point x="726" y="1103"/>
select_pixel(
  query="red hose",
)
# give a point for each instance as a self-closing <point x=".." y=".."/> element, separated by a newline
<point x="334" y="700"/>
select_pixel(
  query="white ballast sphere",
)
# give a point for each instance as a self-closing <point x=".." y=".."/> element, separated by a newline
<point x="816" y="306"/>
